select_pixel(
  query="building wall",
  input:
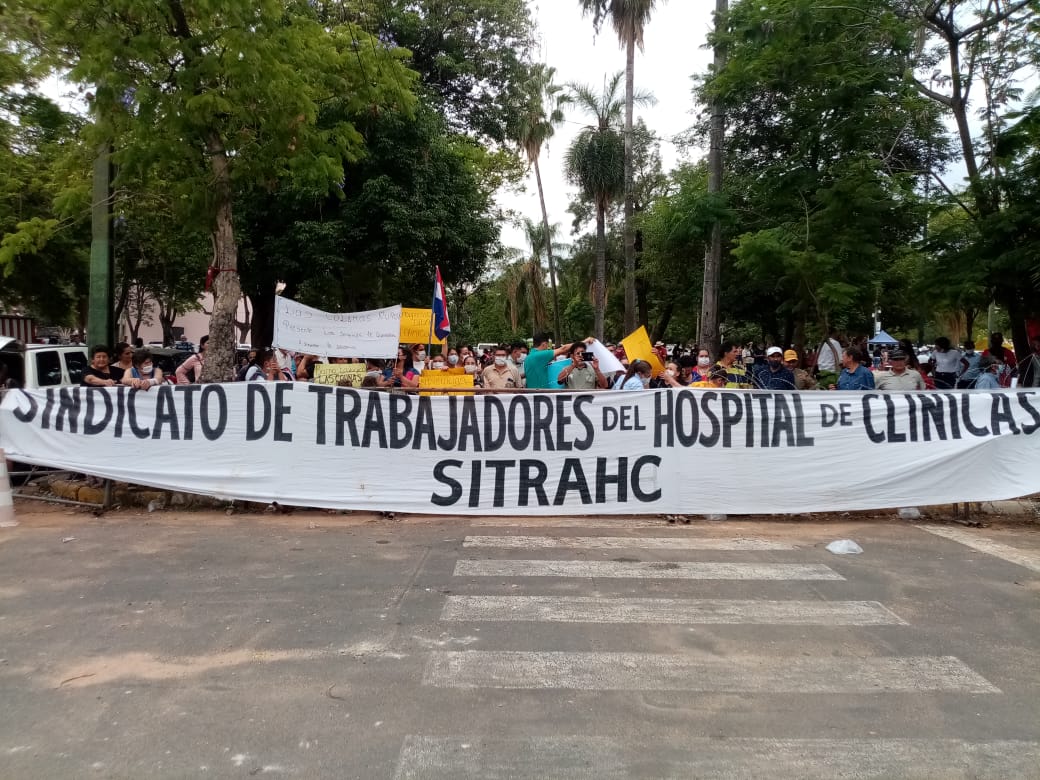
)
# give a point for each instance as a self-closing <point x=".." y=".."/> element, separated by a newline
<point x="195" y="324"/>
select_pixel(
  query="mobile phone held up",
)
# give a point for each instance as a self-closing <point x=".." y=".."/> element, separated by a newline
<point x="588" y="357"/>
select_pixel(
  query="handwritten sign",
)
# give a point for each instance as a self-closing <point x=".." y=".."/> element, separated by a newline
<point x="442" y="379"/>
<point x="331" y="373"/>
<point x="415" y="327"/>
<point x="361" y="334"/>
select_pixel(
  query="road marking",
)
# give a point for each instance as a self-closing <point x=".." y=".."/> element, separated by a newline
<point x="610" y="758"/>
<point x="625" y="542"/>
<point x="1029" y="559"/>
<point x="583" y="609"/>
<point x="576" y="521"/>
<point x="595" y="671"/>
<point x="648" y="570"/>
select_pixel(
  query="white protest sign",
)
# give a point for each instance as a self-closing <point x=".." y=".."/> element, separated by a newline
<point x="362" y="334"/>
<point x="608" y="364"/>
<point x="649" y="452"/>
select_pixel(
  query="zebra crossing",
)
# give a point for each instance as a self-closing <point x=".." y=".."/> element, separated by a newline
<point x="600" y="671"/>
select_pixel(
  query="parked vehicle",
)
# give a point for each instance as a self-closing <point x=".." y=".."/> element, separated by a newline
<point x="40" y="365"/>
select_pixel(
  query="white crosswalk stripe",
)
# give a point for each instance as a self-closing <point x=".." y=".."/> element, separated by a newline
<point x="604" y="671"/>
<point x="624" y="542"/>
<point x="577" y="521"/>
<point x="821" y="670"/>
<point x="605" y="758"/>
<point x="1030" y="559"/>
<point x="588" y="609"/>
<point x="646" y="570"/>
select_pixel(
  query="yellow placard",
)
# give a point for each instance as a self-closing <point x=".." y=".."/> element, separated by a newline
<point x="415" y="327"/>
<point x="637" y="347"/>
<point x="441" y="379"/>
<point x="331" y="373"/>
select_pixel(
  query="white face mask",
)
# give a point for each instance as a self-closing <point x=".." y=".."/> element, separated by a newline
<point x="453" y="359"/>
<point x="703" y="361"/>
<point x="437" y="365"/>
<point x="522" y="358"/>
<point x="471" y="369"/>
<point x="645" y="380"/>
<point x="147" y="369"/>
<point x="500" y="361"/>
<point x="420" y="355"/>
<point x="669" y="372"/>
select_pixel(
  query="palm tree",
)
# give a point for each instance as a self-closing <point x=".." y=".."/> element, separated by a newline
<point x="543" y="111"/>
<point x="523" y="281"/>
<point x="629" y="18"/>
<point x="595" y="163"/>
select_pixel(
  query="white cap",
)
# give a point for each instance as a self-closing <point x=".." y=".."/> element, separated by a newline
<point x="774" y="351"/>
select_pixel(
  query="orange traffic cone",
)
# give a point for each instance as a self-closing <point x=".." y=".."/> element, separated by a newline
<point x="6" y="496"/>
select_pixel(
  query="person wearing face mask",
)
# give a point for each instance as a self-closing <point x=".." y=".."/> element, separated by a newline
<point x="671" y="377"/>
<point x="702" y="366"/>
<point x="502" y="375"/>
<point x="438" y="363"/>
<point x="145" y="373"/>
<point x="583" y="372"/>
<point x="517" y="355"/>
<point x="989" y="370"/>
<point x="453" y="357"/>
<point x="636" y="378"/>
<point x="418" y="357"/>
<point x="774" y="375"/>
<point x="470" y="366"/>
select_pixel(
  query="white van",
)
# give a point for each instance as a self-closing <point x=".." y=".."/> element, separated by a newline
<point x="40" y="365"/>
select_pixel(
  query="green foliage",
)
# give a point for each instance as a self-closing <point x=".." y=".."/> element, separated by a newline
<point x="44" y="249"/>
<point x="472" y="56"/>
<point x="824" y="141"/>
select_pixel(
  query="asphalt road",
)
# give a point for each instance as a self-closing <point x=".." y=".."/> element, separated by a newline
<point x="327" y="646"/>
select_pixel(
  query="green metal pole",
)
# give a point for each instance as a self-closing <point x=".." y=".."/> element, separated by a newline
<point x="100" y="328"/>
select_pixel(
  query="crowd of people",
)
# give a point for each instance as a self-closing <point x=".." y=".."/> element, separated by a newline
<point x="516" y="366"/>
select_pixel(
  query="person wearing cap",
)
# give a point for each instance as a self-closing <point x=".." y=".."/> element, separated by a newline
<point x="898" y="376"/>
<point x="661" y="350"/>
<point x="802" y="379"/>
<point x="774" y="375"/>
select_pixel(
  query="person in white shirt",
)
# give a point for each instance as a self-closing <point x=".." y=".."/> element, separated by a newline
<point x="949" y="364"/>
<point x="828" y="359"/>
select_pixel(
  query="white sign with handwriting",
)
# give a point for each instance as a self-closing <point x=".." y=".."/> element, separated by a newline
<point x="362" y="334"/>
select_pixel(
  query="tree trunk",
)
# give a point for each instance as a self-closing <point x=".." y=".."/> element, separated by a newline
<point x="220" y="350"/>
<point x="662" y="324"/>
<point x="642" y="305"/>
<point x="245" y="325"/>
<point x="262" y="331"/>
<point x="600" y="285"/>
<point x="709" y="324"/>
<point x="630" y="236"/>
<point x="549" y="252"/>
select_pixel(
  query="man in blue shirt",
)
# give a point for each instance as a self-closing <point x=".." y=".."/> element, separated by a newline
<point x="773" y="374"/>
<point x="854" y="375"/>
<point x="536" y="367"/>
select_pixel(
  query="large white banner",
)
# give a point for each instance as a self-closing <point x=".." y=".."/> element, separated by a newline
<point x="666" y="451"/>
<point x="364" y="334"/>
